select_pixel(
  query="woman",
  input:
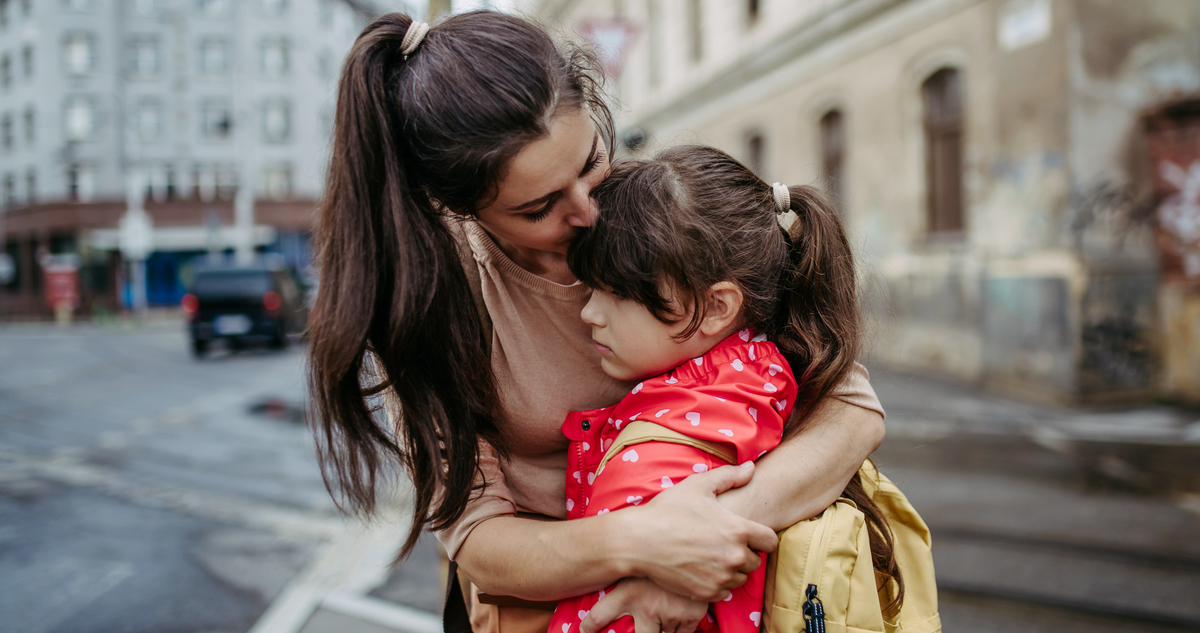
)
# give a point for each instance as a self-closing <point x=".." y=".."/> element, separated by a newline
<point x="479" y="143"/>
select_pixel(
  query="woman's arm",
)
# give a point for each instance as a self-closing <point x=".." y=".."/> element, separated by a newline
<point x="682" y="539"/>
<point x="806" y="473"/>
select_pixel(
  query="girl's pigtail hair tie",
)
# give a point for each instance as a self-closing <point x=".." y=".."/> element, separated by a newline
<point x="783" y="211"/>
<point x="413" y="37"/>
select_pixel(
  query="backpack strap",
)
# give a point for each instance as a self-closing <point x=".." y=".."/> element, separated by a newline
<point x="639" y="431"/>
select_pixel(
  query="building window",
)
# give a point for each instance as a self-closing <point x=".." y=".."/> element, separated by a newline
<point x="214" y="57"/>
<point x="215" y="182"/>
<point x="273" y="58"/>
<point x="160" y="182"/>
<point x="31" y="185"/>
<point x="277" y="181"/>
<point x="755" y="152"/>
<point x="79" y="118"/>
<point x="79" y="54"/>
<point x="833" y="149"/>
<point x="26" y="8"/>
<point x="144" y="60"/>
<point x="277" y="121"/>
<point x="30" y="127"/>
<point x="752" y="12"/>
<point x="214" y="8"/>
<point x="148" y="120"/>
<point x="943" y="114"/>
<point x="695" y="26"/>
<point x="6" y="132"/>
<point x="273" y="7"/>
<point x="77" y="5"/>
<point x="81" y="183"/>
<point x="6" y="71"/>
<point x="4" y="14"/>
<point x="10" y="189"/>
<point x="27" y="61"/>
<point x="216" y="119"/>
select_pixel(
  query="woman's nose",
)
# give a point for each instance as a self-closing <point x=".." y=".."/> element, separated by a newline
<point x="584" y="209"/>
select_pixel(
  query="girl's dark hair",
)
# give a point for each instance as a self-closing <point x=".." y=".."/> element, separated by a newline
<point x="693" y="216"/>
<point x="419" y="141"/>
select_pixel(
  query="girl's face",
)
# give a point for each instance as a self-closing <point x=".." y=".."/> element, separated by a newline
<point x="545" y="195"/>
<point x="633" y="344"/>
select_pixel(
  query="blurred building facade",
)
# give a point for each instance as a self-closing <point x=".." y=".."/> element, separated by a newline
<point x="182" y="103"/>
<point x="1019" y="177"/>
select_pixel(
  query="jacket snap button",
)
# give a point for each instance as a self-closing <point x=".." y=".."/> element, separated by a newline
<point x="587" y="425"/>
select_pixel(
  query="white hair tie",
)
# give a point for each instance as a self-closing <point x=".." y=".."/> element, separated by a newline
<point x="413" y="37"/>
<point x="783" y="198"/>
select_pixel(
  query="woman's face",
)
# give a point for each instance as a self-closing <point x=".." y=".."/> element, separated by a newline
<point x="545" y="196"/>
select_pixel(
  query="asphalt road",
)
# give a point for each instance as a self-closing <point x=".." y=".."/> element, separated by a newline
<point x="142" y="490"/>
<point x="138" y="489"/>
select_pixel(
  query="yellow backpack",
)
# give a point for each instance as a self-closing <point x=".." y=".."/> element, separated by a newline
<point x="820" y="579"/>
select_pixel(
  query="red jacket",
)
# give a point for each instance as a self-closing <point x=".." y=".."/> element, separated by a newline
<point x="740" y="394"/>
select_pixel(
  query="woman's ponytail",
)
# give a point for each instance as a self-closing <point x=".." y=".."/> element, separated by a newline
<point x="394" y="311"/>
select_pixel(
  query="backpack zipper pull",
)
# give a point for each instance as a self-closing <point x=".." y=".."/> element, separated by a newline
<point x="813" y="611"/>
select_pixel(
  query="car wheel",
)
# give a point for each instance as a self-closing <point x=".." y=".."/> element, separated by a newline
<point x="199" y="348"/>
<point x="279" y="339"/>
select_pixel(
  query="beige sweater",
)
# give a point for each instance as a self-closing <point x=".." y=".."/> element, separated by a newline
<point x="547" y="366"/>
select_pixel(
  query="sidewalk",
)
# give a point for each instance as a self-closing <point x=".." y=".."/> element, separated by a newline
<point x="1147" y="447"/>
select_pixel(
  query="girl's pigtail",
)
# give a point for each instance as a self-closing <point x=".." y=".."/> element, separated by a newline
<point x="820" y="335"/>
<point x="818" y="326"/>
<point x="388" y="262"/>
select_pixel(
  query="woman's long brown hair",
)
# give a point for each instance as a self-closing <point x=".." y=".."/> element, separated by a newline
<point x="694" y="216"/>
<point x="419" y="142"/>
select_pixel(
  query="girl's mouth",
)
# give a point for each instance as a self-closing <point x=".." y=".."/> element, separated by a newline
<point x="603" y="349"/>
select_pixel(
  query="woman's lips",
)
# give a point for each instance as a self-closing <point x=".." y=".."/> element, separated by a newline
<point x="603" y="349"/>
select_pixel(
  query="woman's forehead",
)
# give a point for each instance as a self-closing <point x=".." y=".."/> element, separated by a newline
<point x="550" y="163"/>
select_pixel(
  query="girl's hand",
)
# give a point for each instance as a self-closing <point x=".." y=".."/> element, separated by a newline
<point x="653" y="608"/>
<point x="688" y="543"/>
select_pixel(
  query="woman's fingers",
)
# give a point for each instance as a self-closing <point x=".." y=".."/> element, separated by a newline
<point x="760" y="537"/>
<point x="654" y="609"/>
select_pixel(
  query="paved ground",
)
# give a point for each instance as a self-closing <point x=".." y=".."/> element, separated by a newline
<point x="141" y="490"/>
<point x="1049" y="519"/>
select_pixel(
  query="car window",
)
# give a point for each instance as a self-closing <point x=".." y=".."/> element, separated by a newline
<point x="243" y="283"/>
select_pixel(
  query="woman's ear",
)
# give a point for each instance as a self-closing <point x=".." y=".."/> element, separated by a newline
<point x="723" y="306"/>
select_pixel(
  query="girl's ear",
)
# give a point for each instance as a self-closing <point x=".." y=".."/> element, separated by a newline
<point x="723" y="307"/>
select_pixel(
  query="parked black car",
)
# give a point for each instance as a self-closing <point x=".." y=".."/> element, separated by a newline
<point x="244" y="304"/>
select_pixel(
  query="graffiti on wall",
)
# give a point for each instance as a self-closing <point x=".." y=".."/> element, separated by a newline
<point x="1179" y="215"/>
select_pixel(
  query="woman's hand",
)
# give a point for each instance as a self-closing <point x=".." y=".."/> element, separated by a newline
<point x="654" y="609"/>
<point x="688" y="543"/>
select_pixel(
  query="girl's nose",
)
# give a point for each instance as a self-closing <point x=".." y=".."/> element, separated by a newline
<point x="591" y="312"/>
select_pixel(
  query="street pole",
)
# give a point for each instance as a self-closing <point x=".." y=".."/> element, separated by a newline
<point x="135" y="235"/>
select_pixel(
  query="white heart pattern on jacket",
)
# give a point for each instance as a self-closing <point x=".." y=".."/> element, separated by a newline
<point x="629" y="456"/>
<point x="693" y="417"/>
<point x="725" y="432"/>
<point x="634" y="499"/>
<point x="754" y="413"/>
<point x="774" y="369"/>
<point x="737" y="364"/>
<point x="666" y="482"/>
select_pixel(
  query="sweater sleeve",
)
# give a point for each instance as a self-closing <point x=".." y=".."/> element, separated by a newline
<point x="491" y="499"/>
<point x="856" y="389"/>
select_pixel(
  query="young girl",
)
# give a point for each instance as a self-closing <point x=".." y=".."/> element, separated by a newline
<point x="699" y="293"/>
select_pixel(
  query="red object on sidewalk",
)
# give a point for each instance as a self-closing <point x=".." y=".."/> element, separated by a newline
<point x="62" y="286"/>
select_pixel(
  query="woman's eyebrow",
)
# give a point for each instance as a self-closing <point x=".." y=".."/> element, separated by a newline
<point x="582" y="172"/>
